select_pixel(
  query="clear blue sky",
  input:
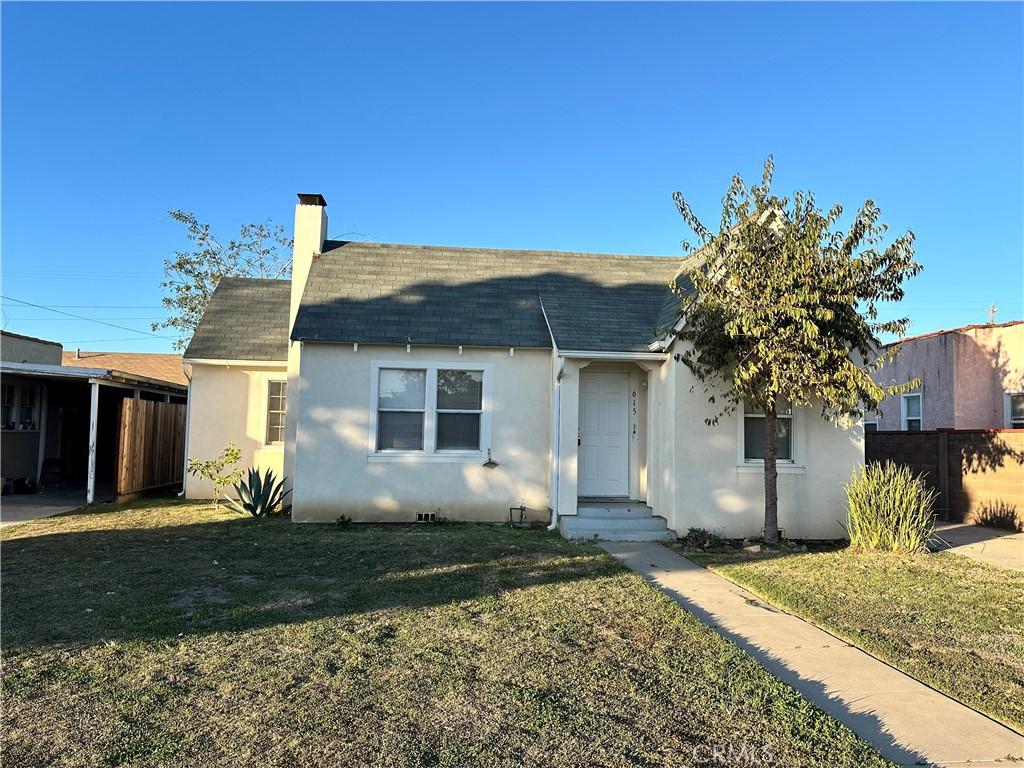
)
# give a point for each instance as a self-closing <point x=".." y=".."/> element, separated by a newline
<point x="526" y="126"/>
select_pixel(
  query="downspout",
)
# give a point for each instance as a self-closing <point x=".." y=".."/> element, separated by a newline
<point x="188" y="419"/>
<point x="556" y="457"/>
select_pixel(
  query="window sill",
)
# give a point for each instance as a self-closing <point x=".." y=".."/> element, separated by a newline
<point x="419" y="457"/>
<point x="272" y="447"/>
<point x="757" y="468"/>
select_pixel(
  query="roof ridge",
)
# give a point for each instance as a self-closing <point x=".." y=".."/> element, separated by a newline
<point x="962" y="328"/>
<point x="490" y="250"/>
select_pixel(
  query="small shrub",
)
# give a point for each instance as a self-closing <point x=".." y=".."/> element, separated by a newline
<point x="889" y="508"/>
<point x="262" y="495"/>
<point x="698" y="538"/>
<point x="998" y="514"/>
<point x="219" y="471"/>
<point x="343" y="521"/>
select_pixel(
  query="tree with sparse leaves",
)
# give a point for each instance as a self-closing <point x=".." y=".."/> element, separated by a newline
<point x="784" y="310"/>
<point x="260" y="250"/>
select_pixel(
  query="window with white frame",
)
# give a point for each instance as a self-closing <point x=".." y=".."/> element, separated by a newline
<point x="911" y="412"/>
<point x="870" y="426"/>
<point x="277" y="391"/>
<point x="754" y="433"/>
<point x="19" y="406"/>
<point x="1015" y="410"/>
<point x="432" y="410"/>
<point x="460" y="404"/>
<point x="401" y="409"/>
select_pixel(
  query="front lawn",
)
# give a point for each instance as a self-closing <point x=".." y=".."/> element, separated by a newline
<point x="167" y="634"/>
<point x="953" y="623"/>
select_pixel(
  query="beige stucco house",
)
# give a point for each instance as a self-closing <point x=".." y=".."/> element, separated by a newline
<point x="970" y="378"/>
<point x="391" y="382"/>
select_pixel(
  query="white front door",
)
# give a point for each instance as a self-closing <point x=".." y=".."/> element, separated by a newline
<point x="604" y="434"/>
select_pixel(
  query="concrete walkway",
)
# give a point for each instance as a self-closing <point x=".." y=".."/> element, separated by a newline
<point x="990" y="545"/>
<point x="21" y="508"/>
<point x="906" y="721"/>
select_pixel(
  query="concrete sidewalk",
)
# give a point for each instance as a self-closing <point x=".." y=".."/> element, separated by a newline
<point x="908" y="722"/>
<point x="990" y="545"/>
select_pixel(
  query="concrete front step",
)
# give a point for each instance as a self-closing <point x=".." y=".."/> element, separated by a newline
<point x="635" y="523"/>
<point x="638" y="511"/>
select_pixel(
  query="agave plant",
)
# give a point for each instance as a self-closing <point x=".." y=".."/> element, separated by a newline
<point x="260" y="495"/>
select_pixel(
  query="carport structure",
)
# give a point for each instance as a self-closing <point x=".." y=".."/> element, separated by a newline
<point x="63" y="425"/>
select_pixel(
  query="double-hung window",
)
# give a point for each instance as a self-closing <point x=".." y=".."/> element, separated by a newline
<point x="276" y="400"/>
<point x="460" y="395"/>
<point x="435" y="410"/>
<point x="911" y="412"/>
<point x="401" y="409"/>
<point x="754" y="433"/>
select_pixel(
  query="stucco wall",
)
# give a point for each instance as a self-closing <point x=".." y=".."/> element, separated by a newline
<point x="989" y="362"/>
<point x="703" y="485"/>
<point x="929" y="359"/>
<point x="21" y="349"/>
<point x="19" y="452"/>
<point x="333" y="473"/>
<point x="229" y="403"/>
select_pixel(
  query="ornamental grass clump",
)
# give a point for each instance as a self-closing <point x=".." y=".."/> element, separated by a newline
<point x="889" y="508"/>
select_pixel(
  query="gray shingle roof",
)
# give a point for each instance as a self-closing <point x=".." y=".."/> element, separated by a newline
<point x="246" y="319"/>
<point x="391" y="294"/>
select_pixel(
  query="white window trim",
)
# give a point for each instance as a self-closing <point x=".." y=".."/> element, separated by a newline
<point x="265" y="421"/>
<point x="1007" y="420"/>
<point x="871" y="421"/>
<point x="903" y="410"/>
<point x="793" y="466"/>
<point x="430" y="454"/>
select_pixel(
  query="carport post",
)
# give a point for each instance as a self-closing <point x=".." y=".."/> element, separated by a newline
<point x="94" y="407"/>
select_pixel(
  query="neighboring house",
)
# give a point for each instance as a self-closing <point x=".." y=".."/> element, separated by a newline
<point x="60" y="423"/>
<point x="394" y="381"/>
<point x="153" y="365"/>
<point x="970" y="378"/>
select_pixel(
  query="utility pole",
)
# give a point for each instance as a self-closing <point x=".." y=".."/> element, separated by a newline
<point x="992" y="314"/>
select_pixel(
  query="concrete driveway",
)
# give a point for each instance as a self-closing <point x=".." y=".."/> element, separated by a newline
<point x="20" y="508"/>
<point x="990" y="545"/>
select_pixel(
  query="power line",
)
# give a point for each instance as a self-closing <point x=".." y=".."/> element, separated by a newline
<point x="98" y="341"/>
<point x="64" y="320"/>
<point x="87" y="319"/>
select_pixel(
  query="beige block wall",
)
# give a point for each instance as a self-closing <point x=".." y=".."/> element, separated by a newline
<point x="333" y="472"/>
<point x="701" y="482"/>
<point x="229" y="403"/>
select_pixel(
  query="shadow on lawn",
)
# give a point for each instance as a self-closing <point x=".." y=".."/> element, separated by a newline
<point x="87" y="586"/>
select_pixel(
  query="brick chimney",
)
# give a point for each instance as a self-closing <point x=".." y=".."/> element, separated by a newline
<point x="310" y="231"/>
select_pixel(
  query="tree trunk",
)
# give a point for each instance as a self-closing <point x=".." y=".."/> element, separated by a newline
<point x="771" y="476"/>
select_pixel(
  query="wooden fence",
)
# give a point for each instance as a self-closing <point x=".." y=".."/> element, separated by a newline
<point x="151" y="446"/>
<point x="978" y="473"/>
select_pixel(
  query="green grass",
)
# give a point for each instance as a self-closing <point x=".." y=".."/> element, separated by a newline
<point x="162" y="634"/>
<point x="953" y="623"/>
